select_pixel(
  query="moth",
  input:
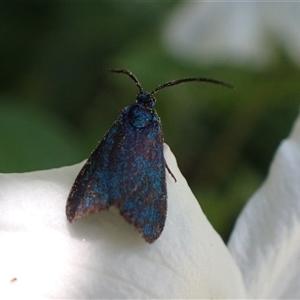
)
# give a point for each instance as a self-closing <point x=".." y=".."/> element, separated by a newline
<point x="128" y="169"/>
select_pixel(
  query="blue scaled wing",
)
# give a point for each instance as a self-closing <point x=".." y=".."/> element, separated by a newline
<point x="127" y="170"/>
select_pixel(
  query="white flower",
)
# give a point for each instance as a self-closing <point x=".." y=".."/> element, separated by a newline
<point x="266" y="240"/>
<point x="234" y="32"/>
<point x="101" y="256"/>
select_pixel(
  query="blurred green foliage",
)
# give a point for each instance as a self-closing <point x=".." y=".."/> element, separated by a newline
<point x="57" y="99"/>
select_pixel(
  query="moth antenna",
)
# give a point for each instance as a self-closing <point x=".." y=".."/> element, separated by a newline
<point x="189" y="79"/>
<point x="127" y="72"/>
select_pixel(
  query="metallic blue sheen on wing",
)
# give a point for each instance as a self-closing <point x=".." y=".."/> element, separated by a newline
<point x="127" y="170"/>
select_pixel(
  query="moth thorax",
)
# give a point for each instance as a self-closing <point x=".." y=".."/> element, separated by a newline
<point x="140" y="116"/>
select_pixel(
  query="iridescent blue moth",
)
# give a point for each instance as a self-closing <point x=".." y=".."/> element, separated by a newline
<point x="128" y="168"/>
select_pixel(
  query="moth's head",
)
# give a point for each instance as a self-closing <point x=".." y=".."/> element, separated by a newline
<point x="146" y="99"/>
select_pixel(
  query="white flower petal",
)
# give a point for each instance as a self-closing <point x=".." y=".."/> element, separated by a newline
<point x="243" y="33"/>
<point x="283" y="22"/>
<point x="266" y="240"/>
<point x="218" y="32"/>
<point x="101" y="256"/>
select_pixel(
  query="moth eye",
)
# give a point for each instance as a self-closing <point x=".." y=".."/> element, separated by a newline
<point x="153" y="102"/>
<point x="139" y="116"/>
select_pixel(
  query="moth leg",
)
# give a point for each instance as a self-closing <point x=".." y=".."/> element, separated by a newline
<point x="170" y="172"/>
